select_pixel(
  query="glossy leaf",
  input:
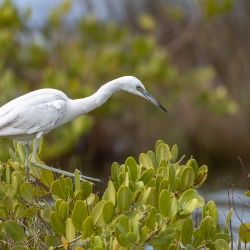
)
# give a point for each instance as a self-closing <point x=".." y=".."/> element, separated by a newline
<point x="221" y="244"/>
<point x="26" y="191"/>
<point x="152" y="157"/>
<point x="174" y="153"/>
<point x="51" y="240"/>
<point x="132" y="167"/>
<point x="96" y="214"/>
<point x="88" y="227"/>
<point x="70" y="230"/>
<point x="115" y="170"/>
<point x="79" y="214"/>
<point x="86" y="188"/>
<point x="146" y="176"/>
<point x="18" y="211"/>
<point x="14" y="230"/>
<point x="244" y="232"/>
<point x="207" y="228"/>
<point x="145" y="161"/>
<point x="187" y="177"/>
<point x="124" y="198"/>
<point x="186" y="231"/>
<point x="162" y="152"/>
<point x="164" y="201"/>
<point x="108" y="212"/>
<point x="57" y="223"/>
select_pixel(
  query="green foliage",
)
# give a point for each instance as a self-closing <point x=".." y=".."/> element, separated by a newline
<point x="94" y="53"/>
<point x="147" y="203"/>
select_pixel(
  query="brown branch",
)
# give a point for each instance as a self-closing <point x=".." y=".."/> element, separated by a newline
<point x="60" y="246"/>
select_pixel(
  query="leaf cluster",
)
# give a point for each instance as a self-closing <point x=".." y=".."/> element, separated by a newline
<point x="146" y="203"/>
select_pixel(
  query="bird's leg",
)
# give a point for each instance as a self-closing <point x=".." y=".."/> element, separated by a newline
<point x="35" y="163"/>
<point x="27" y="166"/>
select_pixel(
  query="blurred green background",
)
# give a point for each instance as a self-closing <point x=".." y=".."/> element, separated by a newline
<point x="192" y="56"/>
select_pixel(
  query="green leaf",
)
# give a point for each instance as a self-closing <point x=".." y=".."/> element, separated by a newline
<point x="30" y="212"/>
<point x="21" y="149"/>
<point x="57" y="223"/>
<point x="186" y="231"/>
<point x="143" y="235"/>
<point x="18" y="211"/>
<point x="162" y="152"/>
<point x="86" y="188"/>
<point x="77" y="181"/>
<point x="9" y="190"/>
<point x="111" y="193"/>
<point x="115" y="170"/>
<point x="158" y="143"/>
<point x="172" y="176"/>
<point x="174" y="153"/>
<point x="131" y="238"/>
<point x="164" y="201"/>
<point x="186" y="196"/>
<point x="201" y="176"/>
<point x="152" y="157"/>
<point x="142" y="197"/>
<point x="56" y="190"/>
<point x="221" y="244"/>
<point x="163" y="237"/>
<point x="88" y="227"/>
<point x="207" y="227"/>
<point x="193" y="164"/>
<point x="79" y="214"/>
<point x="145" y="161"/>
<point x="10" y="202"/>
<point x="12" y="155"/>
<point x="108" y="212"/>
<point x="70" y="230"/>
<point x="64" y="210"/>
<point x="229" y="215"/>
<point x="134" y="215"/>
<point x="14" y="230"/>
<point x="147" y="175"/>
<point x="132" y="167"/>
<point x="244" y="232"/>
<point x="51" y="240"/>
<point x="97" y="215"/>
<point x="247" y="194"/>
<point x="153" y="198"/>
<point x="124" y="198"/>
<point x="3" y="212"/>
<point x="187" y="177"/>
<point x="223" y="236"/>
<point x="26" y="192"/>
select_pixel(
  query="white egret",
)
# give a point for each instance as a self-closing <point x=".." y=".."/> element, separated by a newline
<point x="32" y="115"/>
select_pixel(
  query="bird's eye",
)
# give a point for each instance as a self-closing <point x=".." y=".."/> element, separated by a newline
<point x="138" y="87"/>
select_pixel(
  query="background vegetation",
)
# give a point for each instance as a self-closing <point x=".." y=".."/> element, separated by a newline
<point x="193" y="57"/>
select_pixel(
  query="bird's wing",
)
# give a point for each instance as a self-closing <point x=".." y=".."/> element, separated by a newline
<point x="40" y="112"/>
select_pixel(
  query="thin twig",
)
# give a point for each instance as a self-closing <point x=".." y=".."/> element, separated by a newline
<point x="230" y="222"/>
<point x="246" y="173"/>
<point x="237" y="213"/>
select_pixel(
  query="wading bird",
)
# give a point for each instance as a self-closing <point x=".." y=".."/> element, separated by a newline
<point x="30" y="116"/>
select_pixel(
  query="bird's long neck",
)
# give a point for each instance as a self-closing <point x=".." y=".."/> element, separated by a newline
<point x="85" y="105"/>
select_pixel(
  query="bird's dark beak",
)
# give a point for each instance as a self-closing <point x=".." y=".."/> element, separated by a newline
<point x="153" y="100"/>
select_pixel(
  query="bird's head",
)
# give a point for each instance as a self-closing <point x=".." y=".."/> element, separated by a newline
<point x="134" y="86"/>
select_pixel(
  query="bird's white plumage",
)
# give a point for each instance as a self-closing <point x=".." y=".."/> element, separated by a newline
<point x="32" y="115"/>
<point x="36" y="113"/>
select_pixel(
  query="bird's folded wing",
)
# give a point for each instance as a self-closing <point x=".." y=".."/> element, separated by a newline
<point x="43" y="114"/>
